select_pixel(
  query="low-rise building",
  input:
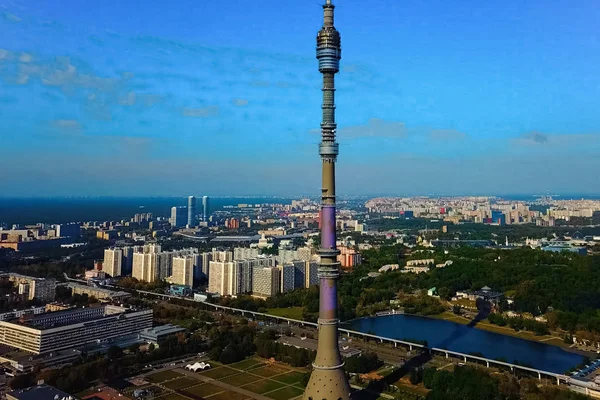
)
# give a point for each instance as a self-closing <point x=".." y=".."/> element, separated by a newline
<point x="40" y="392"/>
<point x="99" y="293"/>
<point x="159" y="333"/>
<point x="50" y="332"/>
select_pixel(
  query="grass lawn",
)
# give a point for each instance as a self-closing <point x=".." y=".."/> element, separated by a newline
<point x="180" y="383"/>
<point x="247" y="364"/>
<point x="290" y="312"/>
<point x="286" y="393"/>
<point x="219" y="373"/>
<point x="290" y="378"/>
<point x="269" y="370"/>
<point x="202" y="390"/>
<point x="228" y="396"/>
<point x="163" y="376"/>
<point x="264" y="386"/>
<point x="240" y="379"/>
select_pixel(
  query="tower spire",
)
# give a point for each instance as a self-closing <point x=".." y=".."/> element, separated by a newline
<point x="328" y="380"/>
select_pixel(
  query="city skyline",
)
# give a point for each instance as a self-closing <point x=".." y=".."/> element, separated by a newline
<point x="455" y="99"/>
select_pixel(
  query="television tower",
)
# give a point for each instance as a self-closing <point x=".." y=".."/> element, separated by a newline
<point x="328" y="380"/>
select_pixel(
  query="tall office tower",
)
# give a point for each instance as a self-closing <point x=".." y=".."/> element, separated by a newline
<point x="179" y="216"/>
<point x="205" y="211"/>
<point x="113" y="262"/>
<point x="191" y="211"/>
<point x="328" y="381"/>
<point x="183" y="270"/>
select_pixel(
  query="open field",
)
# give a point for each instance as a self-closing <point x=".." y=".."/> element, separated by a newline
<point x="253" y="375"/>
<point x="219" y="372"/>
<point x="241" y="379"/>
<point x="285" y="393"/>
<point x="203" y="390"/>
<point x="269" y="370"/>
<point x="179" y="383"/>
<point x="290" y="312"/>
<point x="247" y="364"/>
<point x="171" y="396"/>
<point x="291" y="378"/>
<point x="163" y="376"/>
<point x="228" y="396"/>
<point x="264" y="386"/>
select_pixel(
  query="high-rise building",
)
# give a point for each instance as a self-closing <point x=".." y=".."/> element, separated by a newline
<point x="266" y="281"/>
<point x="127" y="264"/>
<point x="221" y="279"/>
<point x="244" y="253"/>
<point x="183" y="270"/>
<point x="144" y="267"/>
<point x="34" y="288"/>
<point x="242" y="277"/>
<point x="191" y="211"/>
<point x="113" y="262"/>
<point x="222" y="255"/>
<point x="179" y="216"/>
<point x="328" y="380"/>
<point x="288" y="277"/>
<point x="312" y="273"/>
<point x="203" y="266"/>
<point x="205" y="208"/>
<point x="299" y="274"/>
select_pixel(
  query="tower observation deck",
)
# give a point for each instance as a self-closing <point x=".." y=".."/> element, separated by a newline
<point x="328" y="380"/>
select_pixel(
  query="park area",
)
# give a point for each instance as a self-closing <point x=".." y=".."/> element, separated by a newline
<point x="252" y="378"/>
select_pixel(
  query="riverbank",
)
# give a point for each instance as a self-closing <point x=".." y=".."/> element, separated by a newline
<point x="448" y="333"/>
<point x="505" y="330"/>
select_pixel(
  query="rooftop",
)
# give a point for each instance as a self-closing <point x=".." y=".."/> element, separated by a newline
<point x="40" y="392"/>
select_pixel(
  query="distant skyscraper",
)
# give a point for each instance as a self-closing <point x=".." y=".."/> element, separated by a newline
<point x="191" y="211"/>
<point x="179" y="216"/>
<point x="328" y="380"/>
<point x="205" y="210"/>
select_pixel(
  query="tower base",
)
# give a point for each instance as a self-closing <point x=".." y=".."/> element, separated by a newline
<point x="327" y="384"/>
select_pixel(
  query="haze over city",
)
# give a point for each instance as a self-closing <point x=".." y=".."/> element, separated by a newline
<point x="103" y="98"/>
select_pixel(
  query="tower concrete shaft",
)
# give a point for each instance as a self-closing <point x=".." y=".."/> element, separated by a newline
<point x="328" y="380"/>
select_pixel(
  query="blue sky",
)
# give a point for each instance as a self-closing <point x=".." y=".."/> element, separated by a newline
<point x="434" y="97"/>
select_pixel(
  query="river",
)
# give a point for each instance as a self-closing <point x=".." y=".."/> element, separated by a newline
<point x="464" y="339"/>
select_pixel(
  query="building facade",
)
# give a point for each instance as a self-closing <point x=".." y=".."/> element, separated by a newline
<point x="47" y="333"/>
